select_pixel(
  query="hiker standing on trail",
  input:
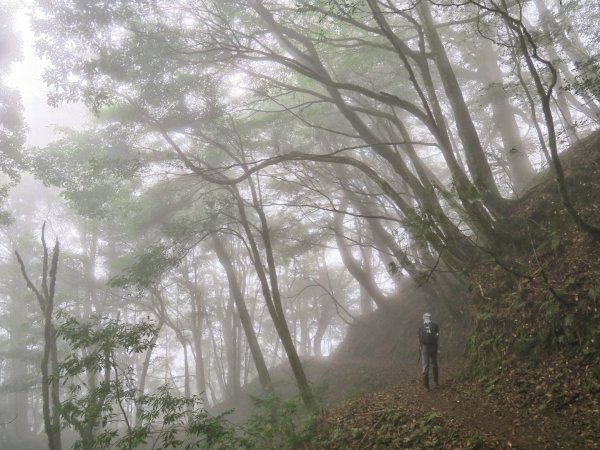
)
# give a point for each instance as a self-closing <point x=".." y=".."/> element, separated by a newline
<point x="428" y="343"/>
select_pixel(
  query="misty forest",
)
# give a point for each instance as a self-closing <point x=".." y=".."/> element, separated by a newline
<point x="300" y="224"/>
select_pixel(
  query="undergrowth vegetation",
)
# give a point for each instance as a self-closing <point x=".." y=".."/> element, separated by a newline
<point x="545" y="297"/>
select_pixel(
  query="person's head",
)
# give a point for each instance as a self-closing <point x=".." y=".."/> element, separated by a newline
<point x="426" y="318"/>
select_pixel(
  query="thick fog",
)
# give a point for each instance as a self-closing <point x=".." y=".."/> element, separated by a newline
<point x="200" y="197"/>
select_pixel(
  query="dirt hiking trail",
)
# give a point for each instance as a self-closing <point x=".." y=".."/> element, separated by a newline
<point x="457" y="415"/>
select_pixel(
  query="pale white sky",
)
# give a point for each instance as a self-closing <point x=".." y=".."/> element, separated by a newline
<point x="26" y="75"/>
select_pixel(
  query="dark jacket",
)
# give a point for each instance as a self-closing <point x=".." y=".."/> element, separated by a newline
<point x="428" y="335"/>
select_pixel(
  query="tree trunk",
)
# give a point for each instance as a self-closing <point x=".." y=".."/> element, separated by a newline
<point x="198" y="354"/>
<point x="143" y="373"/>
<point x="520" y="168"/>
<point x="49" y="363"/>
<point x="270" y="290"/>
<point x="362" y="276"/>
<point x="237" y="295"/>
<point x="479" y="167"/>
<point x="325" y="313"/>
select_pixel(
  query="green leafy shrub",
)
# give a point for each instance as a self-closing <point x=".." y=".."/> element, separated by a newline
<point x="278" y="424"/>
<point x="100" y="409"/>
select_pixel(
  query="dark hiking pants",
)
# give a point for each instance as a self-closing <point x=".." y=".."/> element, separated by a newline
<point x="429" y="359"/>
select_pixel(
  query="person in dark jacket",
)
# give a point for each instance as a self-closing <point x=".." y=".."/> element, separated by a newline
<point x="429" y="333"/>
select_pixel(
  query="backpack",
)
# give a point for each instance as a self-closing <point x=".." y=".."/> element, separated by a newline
<point x="428" y="334"/>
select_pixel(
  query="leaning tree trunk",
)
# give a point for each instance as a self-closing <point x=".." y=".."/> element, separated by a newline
<point x="270" y="290"/>
<point x="240" y="304"/>
<point x="479" y="167"/>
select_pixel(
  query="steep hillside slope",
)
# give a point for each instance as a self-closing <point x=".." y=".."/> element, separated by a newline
<point x="531" y="375"/>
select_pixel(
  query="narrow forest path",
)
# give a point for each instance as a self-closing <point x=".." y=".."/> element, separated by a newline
<point x="509" y="427"/>
<point x="458" y="415"/>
